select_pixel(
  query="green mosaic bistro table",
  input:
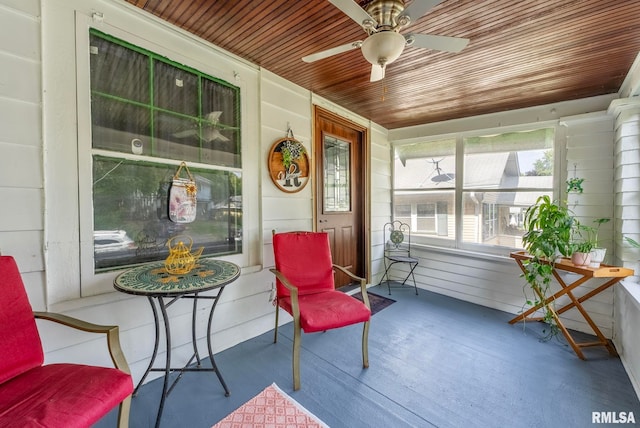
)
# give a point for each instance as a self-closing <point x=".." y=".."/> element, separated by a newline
<point x="161" y="288"/>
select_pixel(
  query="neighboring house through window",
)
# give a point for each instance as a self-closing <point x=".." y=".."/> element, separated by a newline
<point x="471" y="191"/>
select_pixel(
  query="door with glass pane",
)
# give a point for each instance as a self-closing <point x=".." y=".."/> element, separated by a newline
<point x="340" y="191"/>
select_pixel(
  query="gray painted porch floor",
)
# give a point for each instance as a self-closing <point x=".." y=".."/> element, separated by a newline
<point x="435" y="361"/>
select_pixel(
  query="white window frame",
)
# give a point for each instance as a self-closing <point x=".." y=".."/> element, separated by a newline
<point x="68" y="208"/>
<point x="559" y="176"/>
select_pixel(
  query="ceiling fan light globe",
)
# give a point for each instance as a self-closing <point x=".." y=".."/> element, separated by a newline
<point x="383" y="48"/>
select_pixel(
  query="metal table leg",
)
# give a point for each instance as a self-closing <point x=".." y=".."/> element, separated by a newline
<point x="166" y="388"/>
<point x="210" y="348"/>
<point x="155" y="346"/>
<point x="167" y="369"/>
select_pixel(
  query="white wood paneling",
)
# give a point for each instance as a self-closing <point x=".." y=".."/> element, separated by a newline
<point x="21" y="217"/>
<point x="20" y="123"/>
<point x="28" y="7"/>
<point x="626" y="113"/>
<point x="19" y="35"/>
<point x="22" y="209"/>
<point x="380" y="197"/>
<point x="20" y="166"/>
<point x="20" y="78"/>
<point x="590" y="155"/>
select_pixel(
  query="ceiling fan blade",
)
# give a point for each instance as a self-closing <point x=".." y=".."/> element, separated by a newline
<point x="377" y="73"/>
<point x="439" y="43"/>
<point x="355" y="12"/>
<point x="185" y="133"/>
<point x="418" y="8"/>
<point x="332" y="51"/>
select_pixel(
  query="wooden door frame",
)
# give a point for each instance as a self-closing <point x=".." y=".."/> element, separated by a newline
<point x="365" y="198"/>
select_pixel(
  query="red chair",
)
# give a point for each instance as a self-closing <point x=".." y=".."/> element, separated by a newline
<point x="53" y="395"/>
<point x="305" y="289"/>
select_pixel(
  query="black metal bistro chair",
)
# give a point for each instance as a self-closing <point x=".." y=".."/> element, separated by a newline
<point x="397" y="249"/>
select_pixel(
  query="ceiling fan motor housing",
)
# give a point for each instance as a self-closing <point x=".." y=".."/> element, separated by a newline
<point x="386" y="13"/>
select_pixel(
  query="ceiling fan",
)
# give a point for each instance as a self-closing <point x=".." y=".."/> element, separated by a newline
<point x="382" y="20"/>
<point x="210" y="131"/>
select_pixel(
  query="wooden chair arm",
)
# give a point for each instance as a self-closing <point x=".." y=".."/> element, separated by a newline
<point x="293" y="292"/>
<point x="112" y="332"/>
<point x="362" y="281"/>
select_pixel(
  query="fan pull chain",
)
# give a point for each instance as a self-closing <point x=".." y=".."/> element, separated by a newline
<point x="384" y="89"/>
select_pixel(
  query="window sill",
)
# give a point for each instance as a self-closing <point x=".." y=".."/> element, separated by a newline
<point x="500" y="258"/>
<point x="633" y="290"/>
<point x="115" y="296"/>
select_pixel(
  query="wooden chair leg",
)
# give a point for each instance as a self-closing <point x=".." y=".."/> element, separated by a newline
<point x="123" y="413"/>
<point x="296" y="356"/>
<point x="365" y="345"/>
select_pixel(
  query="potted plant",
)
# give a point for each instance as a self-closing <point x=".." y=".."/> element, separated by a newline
<point x="585" y="244"/>
<point x="598" y="253"/>
<point x="582" y="246"/>
<point x="549" y="228"/>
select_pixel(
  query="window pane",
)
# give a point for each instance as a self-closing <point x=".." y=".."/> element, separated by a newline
<point x="424" y="181"/>
<point x="118" y="71"/>
<point x="221" y="124"/>
<point x="495" y="218"/>
<point x="429" y="165"/>
<point x="115" y="124"/>
<point x="176" y="137"/>
<point x="175" y="89"/>
<point x="509" y="161"/>
<point x="428" y="213"/>
<point x="190" y="117"/>
<point x="402" y="213"/>
<point x="130" y="212"/>
<point x="337" y="179"/>
<point x="426" y="217"/>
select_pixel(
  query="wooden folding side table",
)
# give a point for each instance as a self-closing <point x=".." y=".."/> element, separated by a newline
<point x="585" y="273"/>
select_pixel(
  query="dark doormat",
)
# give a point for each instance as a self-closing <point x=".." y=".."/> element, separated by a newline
<point x="378" y="303"/>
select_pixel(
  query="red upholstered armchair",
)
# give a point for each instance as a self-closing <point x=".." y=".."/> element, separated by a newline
<point x="53" y="395"/>
<point x="305" y="289"/>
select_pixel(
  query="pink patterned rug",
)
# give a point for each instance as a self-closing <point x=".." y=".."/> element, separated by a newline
<point x="272" y="408"/>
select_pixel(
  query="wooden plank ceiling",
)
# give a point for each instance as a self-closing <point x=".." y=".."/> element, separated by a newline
<point x="522" y="53"/>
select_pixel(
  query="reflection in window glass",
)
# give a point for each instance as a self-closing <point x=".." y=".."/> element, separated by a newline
<point x="403" y="213"/>
<point x="131" y="223"/>
<point x="424" y="182"/>
<point x="190" y="116"/>
<point x="337" y="178"/>
<point x="499" y="173"/>
<point x="501" y="176"/>
<point x="426" y="220"/>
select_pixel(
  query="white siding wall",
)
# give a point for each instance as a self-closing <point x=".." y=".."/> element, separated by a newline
<point x="627" y="213"/>
<point x="282" y="105"/>
<point x="381" y="164"/>
<point x="21" y="176"/>
<point x="589" y="155"/>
